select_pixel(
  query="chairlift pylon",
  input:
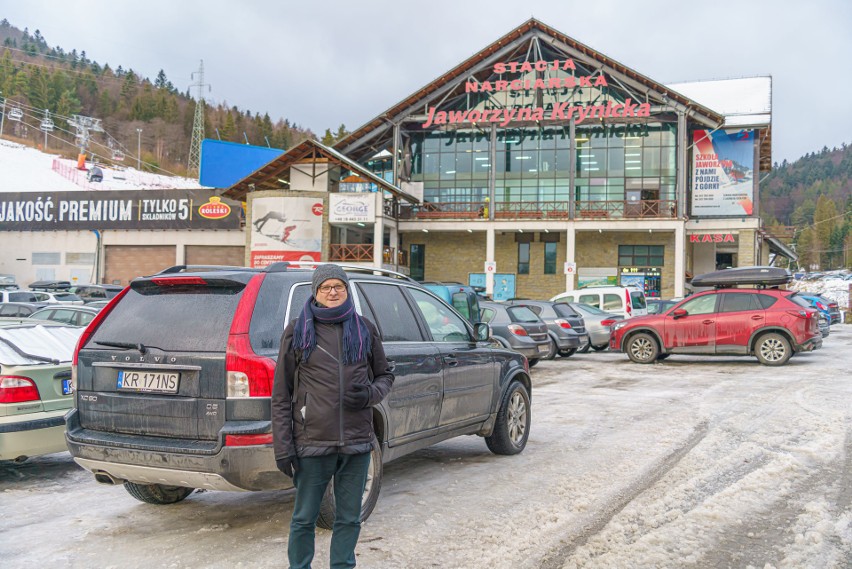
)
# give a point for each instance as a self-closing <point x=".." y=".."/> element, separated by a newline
<point x="16" y="114"/>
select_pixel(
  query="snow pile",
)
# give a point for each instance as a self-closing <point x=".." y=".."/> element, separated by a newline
<point x="831" y="286"/>
<point x="25" y="169"/>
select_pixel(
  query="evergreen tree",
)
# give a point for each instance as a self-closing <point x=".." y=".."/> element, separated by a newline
<point x="327" y="138"/>
<point x="161" y="81"/>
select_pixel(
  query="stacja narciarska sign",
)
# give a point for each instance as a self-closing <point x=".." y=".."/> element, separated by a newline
<point x="541" y="76"/>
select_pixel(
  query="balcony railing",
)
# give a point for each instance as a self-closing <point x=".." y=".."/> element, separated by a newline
<point x="613" y="209"/>
<point x="360" y="253"/>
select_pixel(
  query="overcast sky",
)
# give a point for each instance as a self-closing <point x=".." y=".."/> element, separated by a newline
<point x="320" y="64"/>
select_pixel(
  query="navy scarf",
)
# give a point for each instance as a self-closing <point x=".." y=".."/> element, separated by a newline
<point x="356" y="335"/>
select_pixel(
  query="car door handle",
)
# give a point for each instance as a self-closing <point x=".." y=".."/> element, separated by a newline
<point x="707" y="322"/>
<point x="451" y="361"/>
<point x="391" y="365"/>
<point x="757" y="317"/>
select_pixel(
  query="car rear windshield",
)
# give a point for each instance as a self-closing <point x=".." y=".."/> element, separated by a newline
<point x="564" y="310"/>
<point x="522" y="314"/>
<point x="191" y="319"/>
<point x="637" y="299"/>
<point x="795" y="298"/>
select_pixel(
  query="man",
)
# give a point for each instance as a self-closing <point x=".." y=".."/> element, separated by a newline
<point x="331" y="371"/>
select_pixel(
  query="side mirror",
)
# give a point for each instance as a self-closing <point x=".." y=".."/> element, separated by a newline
<point x="481" y="332"/>
<point x="679" y="313"/>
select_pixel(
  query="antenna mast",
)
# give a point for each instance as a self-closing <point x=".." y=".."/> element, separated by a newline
<point x="193" y="165"/>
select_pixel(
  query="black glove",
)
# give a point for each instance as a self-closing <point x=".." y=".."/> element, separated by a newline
<point x="358" y="397"/>
<point x="288" y="465"/>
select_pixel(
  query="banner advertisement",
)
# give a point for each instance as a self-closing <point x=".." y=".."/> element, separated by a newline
<point x="143" y="209"/>
<point x="722" y="173"/>
<point x="285" y="229"/>
<point x="352" y="208"/>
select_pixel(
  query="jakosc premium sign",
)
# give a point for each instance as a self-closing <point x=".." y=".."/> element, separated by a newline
<point x="142" y="209"/>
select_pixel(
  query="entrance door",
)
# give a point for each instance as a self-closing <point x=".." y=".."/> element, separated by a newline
<point x="417" y="262"/>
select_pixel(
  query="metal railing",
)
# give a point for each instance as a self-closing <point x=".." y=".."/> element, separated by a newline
<point x="358" y="253"/>
<point x="612" y="209"/>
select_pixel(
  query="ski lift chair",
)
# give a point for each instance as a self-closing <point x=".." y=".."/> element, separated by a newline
<point x="16" y="114"/>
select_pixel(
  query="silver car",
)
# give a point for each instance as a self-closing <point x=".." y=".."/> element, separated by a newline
<point x="598" y="324"/>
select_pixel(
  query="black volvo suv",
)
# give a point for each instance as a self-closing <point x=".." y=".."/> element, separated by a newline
<point x="173" y="379"/>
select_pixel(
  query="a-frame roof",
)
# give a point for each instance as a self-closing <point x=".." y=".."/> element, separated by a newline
<point x="306" y="152"/>
<point x="354" y="144"/>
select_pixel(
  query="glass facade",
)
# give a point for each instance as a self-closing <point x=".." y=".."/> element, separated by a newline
<point x="613" y="163"/>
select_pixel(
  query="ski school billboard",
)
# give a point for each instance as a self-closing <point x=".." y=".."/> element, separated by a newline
<point x="285" y="229"/>
<point x="722" y="173"/>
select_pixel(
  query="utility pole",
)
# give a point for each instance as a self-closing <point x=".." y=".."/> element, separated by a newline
<point x="2" y="112"/>
<point x="138" y="148"/>
<point x="193" y="165"/>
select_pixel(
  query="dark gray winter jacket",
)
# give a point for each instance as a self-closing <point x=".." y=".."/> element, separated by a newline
<point x="317" y="423"/>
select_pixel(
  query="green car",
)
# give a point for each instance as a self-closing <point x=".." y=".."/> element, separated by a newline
<point x="35" y="386"/>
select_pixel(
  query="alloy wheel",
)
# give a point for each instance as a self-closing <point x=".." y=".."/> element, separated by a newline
<point x="517" y="412"/>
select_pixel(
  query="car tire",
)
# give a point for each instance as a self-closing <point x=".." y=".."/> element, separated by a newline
<point x="533" y="363"/>
<point x="512" y="426"/>
<point x="600" y="348"/>
<point x="773" y="349"/>
<point x="369" y="499"/>
<point x="642" y="348"/>
<point x="585" y="349"/>
<point x="157" y="493"/>
<point x="661" y="357"/>
<point x="554" y="349"/>
<point x="567" y="353"/>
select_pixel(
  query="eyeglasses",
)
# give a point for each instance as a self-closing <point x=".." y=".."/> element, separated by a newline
<point x="325" y="289"/>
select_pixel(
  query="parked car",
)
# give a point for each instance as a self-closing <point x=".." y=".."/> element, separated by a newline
<point x="824" y="325"/>
<point x="517" y="328"/>
<point x="464" y="298"/>
<point x="19" y="309"/>
<point x="658" y="305"/>
<point x="97" y="304"/>
<point x="13" y="295"/>
<point x="35" y="387"/>
<point x="57" y="297"/>
<point x="66" y="314"/>
<point x="204" y="346"/>
<point x="92" y="292"/>
<point x="823" y="304"/>
<point x="768" y="323"/>
<point x="598" y="325"/>
<point x="7" y="282"/>
<point x="625" y="301"/>
<point x="565" y="326"/>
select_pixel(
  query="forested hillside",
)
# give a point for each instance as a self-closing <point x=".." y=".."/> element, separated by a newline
<point x="813" y="195"/>
<point x="35" y="77"/>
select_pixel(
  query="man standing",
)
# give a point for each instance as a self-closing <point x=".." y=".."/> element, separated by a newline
<point x="331" y="371"/>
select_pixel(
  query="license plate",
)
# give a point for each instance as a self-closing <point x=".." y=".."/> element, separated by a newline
<point x="67" y="389"/>
<point x="148" y="381"/>
<point x="543" y="348"/>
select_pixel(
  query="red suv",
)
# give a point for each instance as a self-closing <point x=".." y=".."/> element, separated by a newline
<point x="769" y="324"/>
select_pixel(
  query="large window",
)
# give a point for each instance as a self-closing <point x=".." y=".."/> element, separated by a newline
<point x="641" y="255"/>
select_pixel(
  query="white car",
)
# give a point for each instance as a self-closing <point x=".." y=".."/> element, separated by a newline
<point x="56" y="297"/>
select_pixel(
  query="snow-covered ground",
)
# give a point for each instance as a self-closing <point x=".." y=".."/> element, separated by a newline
<point x="695" y="462"/>
<point x="25" y="169"/>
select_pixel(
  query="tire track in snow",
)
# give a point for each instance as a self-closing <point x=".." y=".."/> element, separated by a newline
<point x="596" y="521"/>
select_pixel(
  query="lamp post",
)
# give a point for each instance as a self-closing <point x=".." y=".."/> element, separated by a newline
<point x="138" y="148"/>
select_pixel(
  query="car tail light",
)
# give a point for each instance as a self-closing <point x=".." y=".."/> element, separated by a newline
<point x="178" y="281"/>
<point x="627" y="304"/>
<point x="799" y="313"/>
<point x="17" y="389"/>
<point x="517" y="330"/>
<point x="563" y="323"/>
<point x="248" y="440"/>
<point x="821" y="306"/>
<point x="608" y="322"/>
<point x="90" y="330"/>
<point x="248" y="374"/>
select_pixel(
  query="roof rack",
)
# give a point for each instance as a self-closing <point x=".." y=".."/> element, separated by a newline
<point x="282" y="266"/>
<point x="758" y="276"/>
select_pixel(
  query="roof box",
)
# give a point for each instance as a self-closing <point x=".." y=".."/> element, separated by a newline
<point x="758" y="276"/>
